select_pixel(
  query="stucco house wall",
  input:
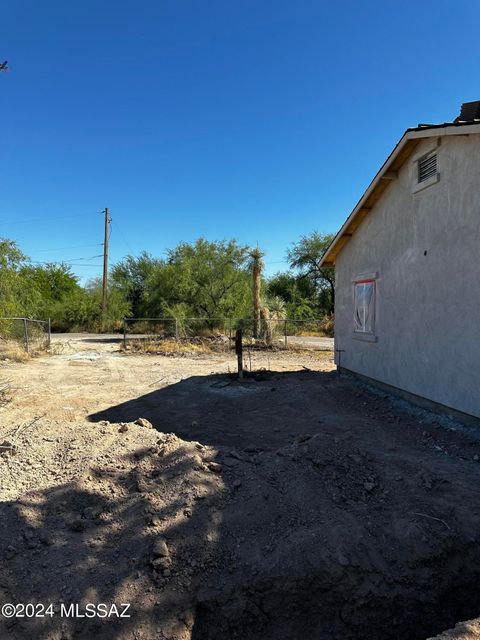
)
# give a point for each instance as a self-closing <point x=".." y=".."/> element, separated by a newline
<point x="424" y="249"/>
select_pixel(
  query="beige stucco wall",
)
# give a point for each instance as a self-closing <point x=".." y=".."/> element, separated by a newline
<point x="428" y="306"/>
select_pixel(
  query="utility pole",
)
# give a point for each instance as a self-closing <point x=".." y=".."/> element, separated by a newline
<point x="105" y="262"/>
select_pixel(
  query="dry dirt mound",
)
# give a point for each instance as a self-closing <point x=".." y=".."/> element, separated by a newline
<point x="469" y="630"/>
<point x="320" y="539"/>
<point x="107" y="513"/>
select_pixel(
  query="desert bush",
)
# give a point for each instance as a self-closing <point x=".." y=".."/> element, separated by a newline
<point x="327" y="325"/>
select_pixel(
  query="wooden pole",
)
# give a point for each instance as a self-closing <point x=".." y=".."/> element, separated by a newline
<point x="105" y="263"/>
<point x="239" y="352"/>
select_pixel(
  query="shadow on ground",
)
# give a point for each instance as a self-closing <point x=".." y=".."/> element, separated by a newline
<point x="264" y="412"/>
<point x="92" y="542"/>
<point x="346" y="522"/>
<point x="326" y="514"/>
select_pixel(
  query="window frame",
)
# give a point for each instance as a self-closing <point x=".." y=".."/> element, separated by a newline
<point x="359" y="333"/>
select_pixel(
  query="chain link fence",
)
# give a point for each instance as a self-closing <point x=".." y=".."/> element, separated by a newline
<point x="218" y="334"/>
<point x="25" y="334"/>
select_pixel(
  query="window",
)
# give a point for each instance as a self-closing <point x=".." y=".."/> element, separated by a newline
<point x="364" y="315"/>
<point x="427" y="166"/>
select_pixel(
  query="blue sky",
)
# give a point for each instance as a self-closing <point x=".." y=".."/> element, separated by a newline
<point x="259" y="120"/>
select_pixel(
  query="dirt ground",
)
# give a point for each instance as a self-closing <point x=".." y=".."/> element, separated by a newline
<point x="294" y="504"/>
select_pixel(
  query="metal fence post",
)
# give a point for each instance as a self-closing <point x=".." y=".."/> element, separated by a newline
<point x="286" y="332"/>
<point x="25" y="328"/>
<point x="176" y="329"/>
<point x="239" y="351"/>
<point x="125" y="332"/>
<point x="49" y="333"/>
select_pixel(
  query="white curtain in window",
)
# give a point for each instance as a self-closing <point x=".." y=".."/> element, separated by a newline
<point x="364" y="315"/>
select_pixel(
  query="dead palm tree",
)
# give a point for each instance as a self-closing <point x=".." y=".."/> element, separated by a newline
<point x="256" y="264"/>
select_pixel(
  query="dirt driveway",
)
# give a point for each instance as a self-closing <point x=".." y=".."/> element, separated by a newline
<point x="291" y="505"/>
<point x="87" y="374"/>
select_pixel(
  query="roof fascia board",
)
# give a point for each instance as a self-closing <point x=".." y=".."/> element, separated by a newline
<point x="453" y="130"/>
<point x="446" y="131"/>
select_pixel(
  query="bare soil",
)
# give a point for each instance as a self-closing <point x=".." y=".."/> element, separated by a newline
<point x="469" y="630"/>
<point x="294" y="504"/>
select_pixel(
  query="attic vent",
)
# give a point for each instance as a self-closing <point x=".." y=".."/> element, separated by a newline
<point x="427" y="167"/>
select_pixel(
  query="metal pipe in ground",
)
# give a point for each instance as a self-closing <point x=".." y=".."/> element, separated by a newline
<point x="25" y="329"/>
<point x="239" y="351"/>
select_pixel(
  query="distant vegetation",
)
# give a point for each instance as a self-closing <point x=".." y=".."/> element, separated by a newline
<point x="203" y="279"/>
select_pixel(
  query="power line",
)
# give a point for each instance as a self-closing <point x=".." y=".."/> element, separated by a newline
<point x="99" y="255"/>
<point x="75" y="215"/>
<point x="70" y="264"/>
<point x="72" y="261"/>
<point x="119" y="229"/>
<point x="78" y="246"/>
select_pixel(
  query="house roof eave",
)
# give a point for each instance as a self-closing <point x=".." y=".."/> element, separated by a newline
<point x="387" y="173"/>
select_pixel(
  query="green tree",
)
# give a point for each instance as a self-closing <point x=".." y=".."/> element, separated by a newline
<point x="81" y="311"/>
<point x="208" y="279"/>
<point x="52" y="281"/>
<point x="117" y="308"/>
<point x="52" y="291"/>
<point x="131" y="276"/>
<point x="18" y="296"/>
<point x="305" y="256"/>
<point x="291" y="287"/>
